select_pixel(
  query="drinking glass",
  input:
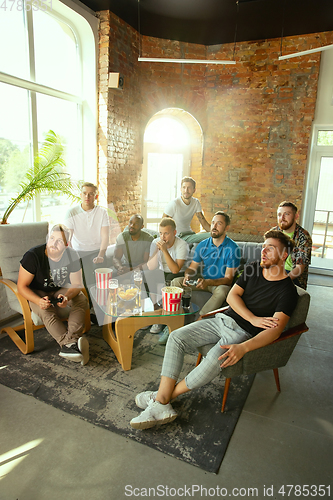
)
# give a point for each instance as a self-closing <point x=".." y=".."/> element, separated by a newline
<point x="113" y="287"/>
<point x="186" y="297"/>
<point x="137" y="275"/>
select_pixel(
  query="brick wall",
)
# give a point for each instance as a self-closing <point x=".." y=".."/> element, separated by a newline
<point x="255" y="116"/>
<point x="120" y="128"/>
<point x="259" y="116"/>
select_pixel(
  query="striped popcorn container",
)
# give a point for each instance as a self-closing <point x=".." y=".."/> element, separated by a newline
<point x="102" y="296"/>
<point x="171" y="298"/>
<point x="103" y="275"/>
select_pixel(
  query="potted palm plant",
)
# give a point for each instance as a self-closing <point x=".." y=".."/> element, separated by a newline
<point x="46" y="175"/>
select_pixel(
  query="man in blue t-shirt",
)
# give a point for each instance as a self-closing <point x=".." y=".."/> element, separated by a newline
<point x="220" y="256"/>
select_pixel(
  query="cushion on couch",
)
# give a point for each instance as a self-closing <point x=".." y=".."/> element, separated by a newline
<point x="15" y="240"/>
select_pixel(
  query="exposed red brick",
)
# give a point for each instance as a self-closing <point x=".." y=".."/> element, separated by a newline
<point x="255" y="116"/>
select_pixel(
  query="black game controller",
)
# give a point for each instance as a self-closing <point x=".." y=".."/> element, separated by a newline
<point x="56" y="300"/>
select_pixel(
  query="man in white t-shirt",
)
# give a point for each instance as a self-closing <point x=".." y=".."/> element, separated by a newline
<point x="89" y="226"/>
<point x="168" y="254"/>
<point x="183" y="209"/>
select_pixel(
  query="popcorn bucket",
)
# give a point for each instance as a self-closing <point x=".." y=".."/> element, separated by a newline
<point x="102" y="296"/>
<point x="103" y="275"/>
<point x="171" y="298"/>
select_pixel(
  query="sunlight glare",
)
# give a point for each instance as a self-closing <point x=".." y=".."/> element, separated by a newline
<point x="9" y="466"/>
<point x="10" y="459"/>
<point x="326" y="425"/>
<point x="167" y="132"/>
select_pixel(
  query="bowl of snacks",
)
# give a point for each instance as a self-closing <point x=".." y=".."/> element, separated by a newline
<point x="127" y="293"/>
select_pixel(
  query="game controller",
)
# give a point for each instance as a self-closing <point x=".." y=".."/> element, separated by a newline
<point x="192" y="282"/>
<point x="56" y="300"/>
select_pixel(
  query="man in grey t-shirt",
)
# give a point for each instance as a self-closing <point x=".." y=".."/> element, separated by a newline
<point x="132" y="246"/>
<point x="183" y="209"/>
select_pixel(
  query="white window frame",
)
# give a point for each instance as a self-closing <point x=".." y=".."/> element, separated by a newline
<point x="85" y="28"/>
<point x="312" y="182"/>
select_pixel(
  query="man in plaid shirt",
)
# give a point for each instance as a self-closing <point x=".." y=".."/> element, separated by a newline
<point x="297" y="264"/>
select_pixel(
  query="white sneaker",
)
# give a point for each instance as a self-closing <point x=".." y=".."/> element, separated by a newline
<point x="83" y="346"/>
<point x="154" y="414"/>
<point x="156" y="328"/>
<point x="142" y="399"/>
<point x="164" y="337"/>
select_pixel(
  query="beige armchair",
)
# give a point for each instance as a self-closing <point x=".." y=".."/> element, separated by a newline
<point x="15" y="240"/>
<point x="272" y="356"/>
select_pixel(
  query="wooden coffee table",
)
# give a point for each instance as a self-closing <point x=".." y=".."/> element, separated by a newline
<point x="119" y="329"/>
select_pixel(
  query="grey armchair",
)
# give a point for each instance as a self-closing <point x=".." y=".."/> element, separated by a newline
<point x="15" y="240"/>
<point x="272" y="356"/>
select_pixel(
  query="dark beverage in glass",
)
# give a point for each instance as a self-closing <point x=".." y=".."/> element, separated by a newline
<point x="186" y="301"/>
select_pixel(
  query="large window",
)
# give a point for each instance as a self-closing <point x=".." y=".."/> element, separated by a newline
<point x="319" y="204"/>
<point x="166" y="161"/>
<point x="44" y="86"/>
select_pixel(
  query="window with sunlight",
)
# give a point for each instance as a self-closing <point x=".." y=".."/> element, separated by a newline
<point x="42" y="88"/>
<point x="167" y="132"/>
<point x="166" y="161"/>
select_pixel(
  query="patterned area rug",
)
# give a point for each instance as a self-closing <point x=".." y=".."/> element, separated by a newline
<point x="103" y="394"/>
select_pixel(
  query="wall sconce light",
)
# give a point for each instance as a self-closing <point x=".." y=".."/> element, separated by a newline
<point x="116" y="81"/>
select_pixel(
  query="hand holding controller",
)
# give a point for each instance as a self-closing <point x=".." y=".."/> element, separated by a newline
<point x="191" y="282"/>
<point x="56" y="300"/>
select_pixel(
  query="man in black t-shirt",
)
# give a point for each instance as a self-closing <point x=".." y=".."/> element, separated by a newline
<point x="50" y="277"/>
<point x="261" y="303"/>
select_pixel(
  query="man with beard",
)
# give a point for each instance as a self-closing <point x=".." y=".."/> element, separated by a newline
<point x="50" y="277"/>
<point x="297" y="264"/>
<point x="220" y="256"/>
<point x="261" y="303"/>
<point x="132" y="246"/>
<point x="183" y="208"/>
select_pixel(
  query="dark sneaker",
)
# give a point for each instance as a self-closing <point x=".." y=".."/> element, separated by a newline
<point x="71" y="352"/>
<point x="93" y="319"/>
